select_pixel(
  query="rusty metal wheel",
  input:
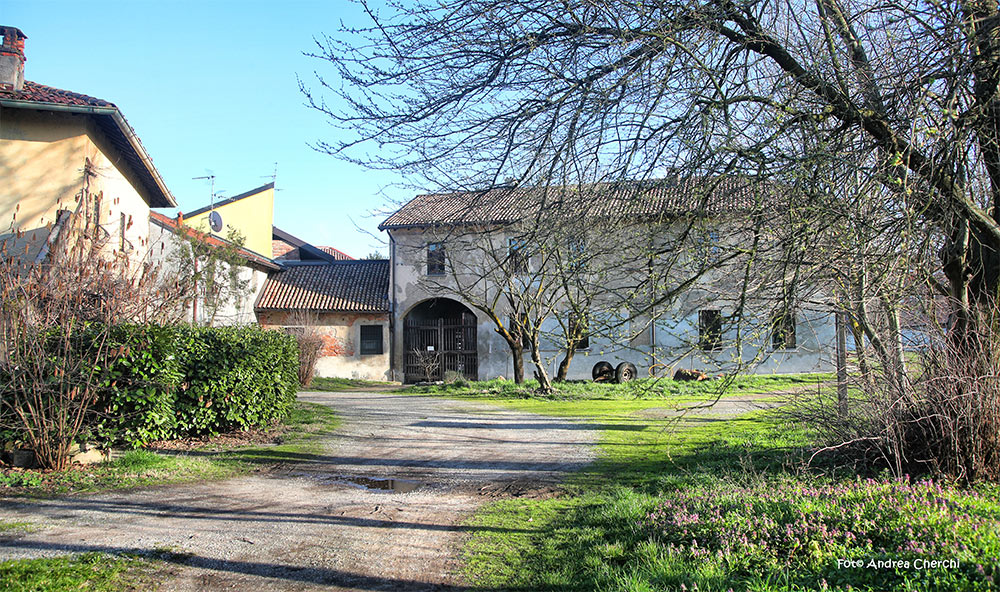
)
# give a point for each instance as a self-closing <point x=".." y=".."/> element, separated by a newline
<point x="626" y="372"/>
<point x="603" y="372"/>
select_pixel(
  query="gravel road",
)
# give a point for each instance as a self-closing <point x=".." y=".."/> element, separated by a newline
<point x="381" y="509"/>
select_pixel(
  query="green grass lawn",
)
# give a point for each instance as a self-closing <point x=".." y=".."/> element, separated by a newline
<point x="139" y="468"/>
<point x="662" y="388"/>
<point x="345" y="384"/>
<point x="709" y="503"/>
<point x="92" y="572"/>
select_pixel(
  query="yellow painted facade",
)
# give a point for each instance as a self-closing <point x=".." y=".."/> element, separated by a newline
<point x="43" y="167"/>
<point x="252" y="215"/>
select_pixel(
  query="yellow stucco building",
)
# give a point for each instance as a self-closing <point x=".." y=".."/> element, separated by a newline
<point x="250" y="213"/>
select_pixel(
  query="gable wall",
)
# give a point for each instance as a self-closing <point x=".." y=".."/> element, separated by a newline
<point x="42" y="160"/>
<point x="252" y="216"/>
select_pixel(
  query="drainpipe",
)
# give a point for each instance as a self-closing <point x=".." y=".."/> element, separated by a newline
<point x="392" y="307"/>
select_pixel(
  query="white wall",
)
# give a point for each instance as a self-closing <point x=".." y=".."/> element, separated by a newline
<point x="673" y="340"/>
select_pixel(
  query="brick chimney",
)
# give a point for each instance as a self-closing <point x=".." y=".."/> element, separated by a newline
<point x="12" y="58"/>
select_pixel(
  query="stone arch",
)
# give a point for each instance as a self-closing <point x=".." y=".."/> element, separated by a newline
<point x="439" y="335"/>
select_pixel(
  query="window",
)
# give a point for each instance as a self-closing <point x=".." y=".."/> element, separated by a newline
<point x="435" y="258"/>
<point x="576" y="251"/>
<point x="783" y="330"/>
<point x="517" y="256"/>
<point x="121" y="234"/>
<point x="710" y="330"/>
<point x="371" y="340"/>
<point x="578" y="328"/>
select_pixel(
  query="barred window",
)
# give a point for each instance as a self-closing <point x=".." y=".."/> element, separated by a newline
<point x="435" y="258"/>
<point x="371" y="340"/>
<point x="783" y="330"/>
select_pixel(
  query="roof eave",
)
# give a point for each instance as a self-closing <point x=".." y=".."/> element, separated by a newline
<point x="161" y="200"/>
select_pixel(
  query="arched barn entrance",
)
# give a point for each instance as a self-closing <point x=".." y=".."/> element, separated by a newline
<point x="439" y="335"/>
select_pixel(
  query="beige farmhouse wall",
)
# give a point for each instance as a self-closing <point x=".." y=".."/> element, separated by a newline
<point x="43" y="157"/>
<point x="341" y="335"/>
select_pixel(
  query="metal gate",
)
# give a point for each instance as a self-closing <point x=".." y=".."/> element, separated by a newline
<point x="434" y="346"/>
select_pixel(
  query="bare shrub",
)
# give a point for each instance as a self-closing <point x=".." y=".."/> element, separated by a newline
<point x="310" y="348"/>
<point x="58" y="309"/>
<point x="428" y="361"/>
<point x="942" y="418"/>
<point x="302" y="326"/>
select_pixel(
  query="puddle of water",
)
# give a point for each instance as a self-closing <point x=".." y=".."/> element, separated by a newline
<point x="369" y="483"/>
<point x="391" y="485"/>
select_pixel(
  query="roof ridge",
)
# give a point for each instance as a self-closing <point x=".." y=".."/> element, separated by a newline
<point x="229" y="200"/>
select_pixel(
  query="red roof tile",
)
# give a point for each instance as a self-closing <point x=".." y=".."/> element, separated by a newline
<point x="340" y="255"/>
<point x="40" y="93"/>
<point x="344" y="286"/>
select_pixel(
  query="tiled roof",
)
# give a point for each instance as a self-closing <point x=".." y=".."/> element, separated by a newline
<point x="344" y="286"/>
<point x="108" y="119"/>
<point x="703" y="195"/>
<point x="41" y="93"/>
<point x="251" y="256"/>
<point x="282" y="251"/>
<point x="280" y="248"/>
<point x="340" y="255"/>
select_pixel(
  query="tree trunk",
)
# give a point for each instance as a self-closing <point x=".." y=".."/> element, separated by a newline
<point x="954" y="258"/>
<point x="861" y="351"/>
<point x="841" y="321"/>
<point x="517" y="354"/>
<point x="544" y="383"/>
<point x="564" y="363"/>
<point x="895" y="348"/>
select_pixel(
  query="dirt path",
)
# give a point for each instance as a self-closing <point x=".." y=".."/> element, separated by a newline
<point x="307" y="526"/>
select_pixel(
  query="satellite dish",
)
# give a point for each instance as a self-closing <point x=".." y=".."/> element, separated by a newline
<point x="215" y="221"/>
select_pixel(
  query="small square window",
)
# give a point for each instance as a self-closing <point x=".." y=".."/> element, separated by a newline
<point x="371" y="340"/>
<point x="435" y="258"/>
<point x="710" y="330"/>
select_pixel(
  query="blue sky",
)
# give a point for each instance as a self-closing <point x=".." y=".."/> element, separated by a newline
<point x="210" y="86"/>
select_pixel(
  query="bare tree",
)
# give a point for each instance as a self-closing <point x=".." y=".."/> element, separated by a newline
<point x="468" y="92"/>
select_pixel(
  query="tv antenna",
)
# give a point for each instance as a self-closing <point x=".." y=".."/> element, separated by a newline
<point x="214" y="219"/>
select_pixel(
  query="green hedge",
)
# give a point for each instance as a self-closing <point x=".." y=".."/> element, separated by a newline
<point x="179" y="381"/>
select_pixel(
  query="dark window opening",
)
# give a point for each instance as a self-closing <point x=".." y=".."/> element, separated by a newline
<point x="783" y="330"/>
<point x="579" y="332"/>
<point x="710" y="330"/>
<point x="371" y="340"/>
<point x="517" y="256"/>
<point x="121" y="234"/>
<point x="435" y="259"/>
